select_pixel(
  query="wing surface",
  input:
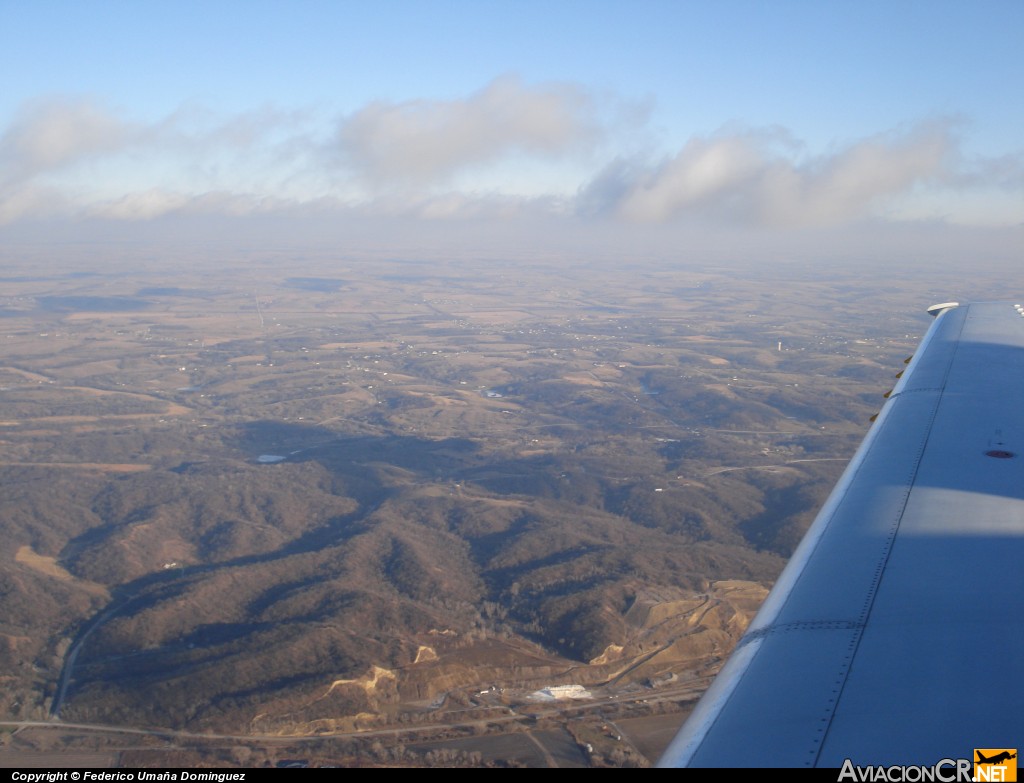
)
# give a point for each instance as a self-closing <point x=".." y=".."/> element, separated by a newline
<point x="895" y="635"/>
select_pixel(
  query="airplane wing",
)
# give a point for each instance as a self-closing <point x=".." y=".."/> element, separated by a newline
<point x="895" y="635"/>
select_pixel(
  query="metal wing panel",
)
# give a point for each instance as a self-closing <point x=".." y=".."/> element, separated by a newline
<point x="888" y="634"/>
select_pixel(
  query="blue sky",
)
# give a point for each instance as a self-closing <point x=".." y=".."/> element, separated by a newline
<point x="746" y="116"/>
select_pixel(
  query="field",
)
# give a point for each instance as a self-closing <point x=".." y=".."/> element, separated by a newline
<point x="362" y="510"/>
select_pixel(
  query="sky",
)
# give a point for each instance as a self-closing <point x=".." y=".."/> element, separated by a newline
<point x="774" y="124"/>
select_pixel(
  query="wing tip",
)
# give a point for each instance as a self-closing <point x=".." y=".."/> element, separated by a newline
<point x="935" y="309"/>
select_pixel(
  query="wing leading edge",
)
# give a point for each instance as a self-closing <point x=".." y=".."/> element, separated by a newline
<point x="895" y="635"/>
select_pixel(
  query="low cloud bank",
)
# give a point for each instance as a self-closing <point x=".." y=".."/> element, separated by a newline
<point x="74" y="157"/>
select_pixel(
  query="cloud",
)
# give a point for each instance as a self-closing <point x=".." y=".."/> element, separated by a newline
<point x="759" y="177"/>
<point x="1003" y="172"/>
<point x="74" y="155"/>
<point x="426" y="141"/>
<point x="56" y="133"/>
<point x="509" y="151"/>
<point x="28" y="201"/>
<point x="157" y="202"/>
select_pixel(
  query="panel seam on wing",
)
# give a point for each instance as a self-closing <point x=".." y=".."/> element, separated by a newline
<point x="886" y="552"/>
<point x="801" y="625"/>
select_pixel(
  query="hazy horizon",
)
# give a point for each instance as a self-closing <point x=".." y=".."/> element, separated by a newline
<point x="793" y="131"/>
